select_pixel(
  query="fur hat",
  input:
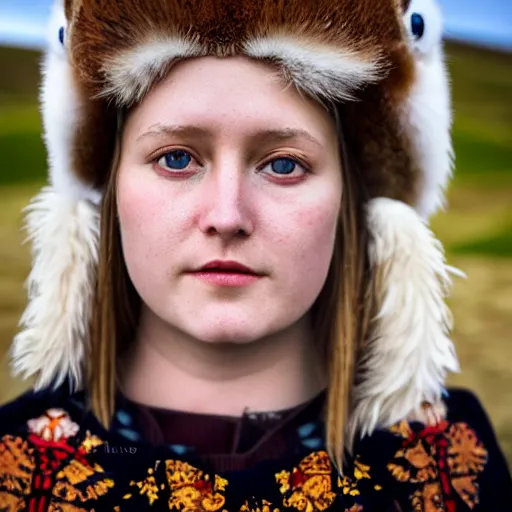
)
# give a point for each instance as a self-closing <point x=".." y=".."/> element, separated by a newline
<point x="379" y="61"/>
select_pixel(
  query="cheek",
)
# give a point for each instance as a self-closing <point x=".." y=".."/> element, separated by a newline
<point x="143" y="210"/>
<point x="316" y="238"/>
<point x="307" y="246"/>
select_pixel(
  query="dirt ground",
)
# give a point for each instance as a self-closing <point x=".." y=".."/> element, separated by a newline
<point x="482" y="303"/>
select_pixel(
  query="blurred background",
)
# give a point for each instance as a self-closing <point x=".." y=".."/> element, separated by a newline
<point x="476" y="229"/>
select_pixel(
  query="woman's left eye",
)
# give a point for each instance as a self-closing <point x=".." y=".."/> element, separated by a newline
<point x="175" y="160"/>
<point x="284" y="166"/>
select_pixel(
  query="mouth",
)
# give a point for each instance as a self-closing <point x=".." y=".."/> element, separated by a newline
<point x="226" y="273"/>
<point x="227" y="267"/>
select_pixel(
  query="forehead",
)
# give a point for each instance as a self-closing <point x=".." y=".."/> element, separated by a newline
<point x="239" y="73"/>
<point x="215" y="92"/>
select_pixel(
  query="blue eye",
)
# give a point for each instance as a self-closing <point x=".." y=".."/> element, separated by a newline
<point x="61" y="35"/>
<point x="283" y="165"/>
<point x="417" y="25"/>
<point x="178" y="159"/>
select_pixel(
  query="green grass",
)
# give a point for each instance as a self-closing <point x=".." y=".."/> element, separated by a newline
<point x="482" y="132"/>
<point x="481" y="86"/>
<point x="484" y="160"/>
<point x="19" y="115"/>
<point x="23" y="157"/>
<point x="495" y="245"/>
<point x="20" y="77"/>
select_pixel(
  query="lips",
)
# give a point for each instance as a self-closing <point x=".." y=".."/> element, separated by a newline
<point x="226" y="266"/>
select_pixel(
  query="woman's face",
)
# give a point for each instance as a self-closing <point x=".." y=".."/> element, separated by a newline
<point x="221" y="161"/>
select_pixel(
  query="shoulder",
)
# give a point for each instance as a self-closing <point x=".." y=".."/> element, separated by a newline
<point x="467" y="414"/>
<point x="458" y="461"/>
<point x="470" y="422"/>
<point x="464" y="405"/>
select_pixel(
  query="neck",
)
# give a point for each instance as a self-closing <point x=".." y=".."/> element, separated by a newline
<point x="166" y="368"/>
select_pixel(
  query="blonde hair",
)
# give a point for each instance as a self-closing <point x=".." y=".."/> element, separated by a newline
<point x="340" y="315"/>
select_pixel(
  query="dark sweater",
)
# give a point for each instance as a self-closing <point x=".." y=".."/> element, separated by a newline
<point x="55" y="456"/>
<point x="226" y="443"/>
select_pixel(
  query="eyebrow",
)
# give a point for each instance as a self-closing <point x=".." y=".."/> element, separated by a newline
<point x="261" y="136"/>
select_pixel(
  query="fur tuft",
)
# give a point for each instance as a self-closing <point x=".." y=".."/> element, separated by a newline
<point x="410" y="354"/>
<point x="131" y="73"/>
<point x="329" y="73"/>
<point x="65" y="237"/>
<point x="322" y="72"/>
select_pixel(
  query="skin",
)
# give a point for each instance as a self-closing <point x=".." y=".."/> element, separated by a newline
<point x="201" y="347"/>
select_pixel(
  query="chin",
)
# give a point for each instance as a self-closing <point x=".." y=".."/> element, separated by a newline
<point x="230" y="332"/>
<point x="233" y="329"/>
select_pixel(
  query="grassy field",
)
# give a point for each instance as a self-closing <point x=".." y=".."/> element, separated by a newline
<point x="476" y="229"/>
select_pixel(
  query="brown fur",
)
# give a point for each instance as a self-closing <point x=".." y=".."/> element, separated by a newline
<point x="93" y="142"/>
<point x="100" y="29"/>
<point x="405" y="4"/>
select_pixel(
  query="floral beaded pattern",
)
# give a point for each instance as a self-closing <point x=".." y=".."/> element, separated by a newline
<point x="147" y="487"/>
<point x="52" y="467"/>
<point x="253" y="506"/>
<point x="194" y="490"/>
<point x="444" y="459"/>
<point x="17" y="466"/>
<point x="309" y="487"/>
<point x="47" y="471"/>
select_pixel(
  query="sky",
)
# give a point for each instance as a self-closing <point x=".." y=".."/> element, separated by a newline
<point x="488" y="22"/>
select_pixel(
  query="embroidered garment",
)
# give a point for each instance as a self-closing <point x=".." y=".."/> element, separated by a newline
<point x="55" y="456"/>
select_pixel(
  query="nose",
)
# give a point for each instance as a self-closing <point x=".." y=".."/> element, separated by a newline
<point x="225" y="208"/>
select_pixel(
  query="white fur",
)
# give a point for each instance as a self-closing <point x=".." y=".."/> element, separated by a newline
<point x="427" y="114"/>
<point x="321" y="71"/>
<point x="65" y="236"/>
<point x="131" y="73"/>
<point x="411" y="353"/>
<point x="61" y="112"/>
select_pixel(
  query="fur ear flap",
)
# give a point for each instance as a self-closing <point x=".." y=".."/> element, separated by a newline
<point x="63" y="226"/>
<point x="406" y="362"/>
<point x="65" y="235"/>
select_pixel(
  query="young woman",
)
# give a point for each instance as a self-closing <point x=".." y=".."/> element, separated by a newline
<point x="236" y="303"/>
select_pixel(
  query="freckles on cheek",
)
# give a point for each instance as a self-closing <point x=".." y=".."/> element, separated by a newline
<point x="153" y="221"/>
<point x="138" y="202"/>
<point x="315" y="232"/>
<point x="143" y="223"/>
